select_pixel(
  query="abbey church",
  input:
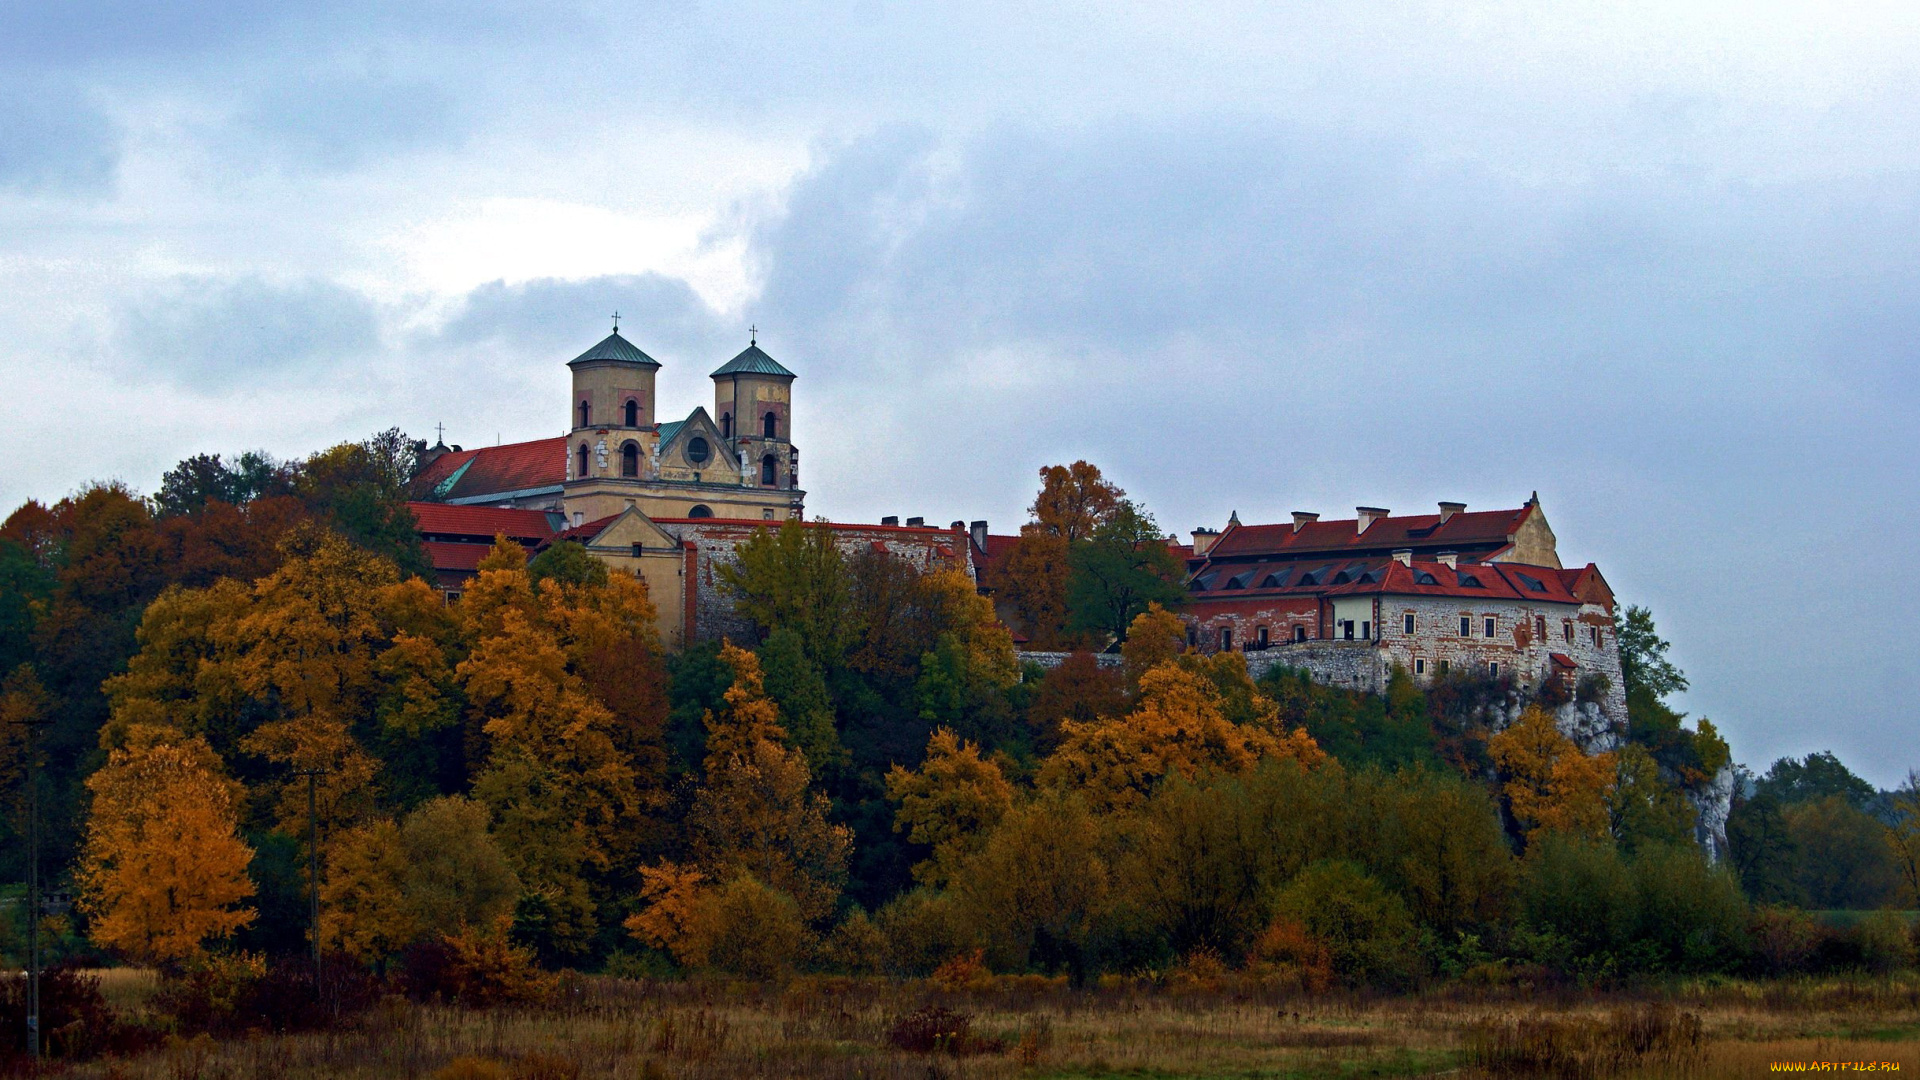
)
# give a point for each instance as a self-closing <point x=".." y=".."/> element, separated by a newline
<point x="1351" y="601"/>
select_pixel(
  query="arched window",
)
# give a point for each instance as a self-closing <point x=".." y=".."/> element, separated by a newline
<point x="586" y="415"/>
<point x="769" y="470"/>
<point x="630" y="456"/>
<point x="726" y="425"/>
<point x="633" y="414"/>
<point x="580" y="460"/>
<point x="700" y="512"/>
<point x="771" y="428"/>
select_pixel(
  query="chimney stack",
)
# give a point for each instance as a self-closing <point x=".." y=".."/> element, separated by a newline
<point x="979" y="530"/>
<point x="916" y="522"/>
<point x="1302" y="519"/>
<point x="1203" y="539"/>
<point x="1404" y="556"/>
<point x="1449" y="559"/>
<point x="1448" y="509"/>
<point x="890" y="519"/>
<point x="1368" y="515"/>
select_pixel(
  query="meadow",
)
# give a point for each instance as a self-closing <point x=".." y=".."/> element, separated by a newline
<point x="602" y="1027"/>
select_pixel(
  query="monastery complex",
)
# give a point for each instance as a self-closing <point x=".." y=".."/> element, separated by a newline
<point x="1348" y="600"/>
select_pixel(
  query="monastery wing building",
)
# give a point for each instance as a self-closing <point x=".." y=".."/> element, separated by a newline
<point x="1481" y="593"/>
<point x="666" y="500"/>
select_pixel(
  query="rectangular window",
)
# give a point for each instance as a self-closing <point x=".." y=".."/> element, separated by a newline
<point x="1443" y="667"/>
<point x="1346" y="629"/>
<point x="1226" y="639"/>
<point x="1466" y="626"/>
<point x="1489" y="628"/>
<point x="1366" y="629"/>
<point x="1193" y="637"/>
<point x="1595" y="631"/>
<point x="1263" y="637"/>
<point x="1567" y="627"/>
<point x="636" y="551"/>
<point x="452" y="595"/>
<point x="1299" y="633"/>
<point x="1408" y="617"/>
<point x="1493" y="670"/>
<point x="1419" y="667"/>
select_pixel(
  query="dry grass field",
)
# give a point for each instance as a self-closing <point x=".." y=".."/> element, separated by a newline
<point x="829" y="1028"/>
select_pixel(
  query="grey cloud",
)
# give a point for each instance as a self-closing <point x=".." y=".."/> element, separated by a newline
<point x="211" y="334"/>
<point x="556" y="318"/>
<point x="54" y="140"/>
<point x="333" y="123"/>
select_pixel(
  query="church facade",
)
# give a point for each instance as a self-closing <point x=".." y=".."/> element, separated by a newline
<point x="667" y="501"/>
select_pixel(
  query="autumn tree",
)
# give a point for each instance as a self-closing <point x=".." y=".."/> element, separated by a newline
<point x="1903" y="832"/>
<point x="1549" y="785"/>
<point x="162" y="868"/>
<point x="1123" y="567"/>
<point x="1155" y="636"/>
<point x="1036" y="887"/>
<point x="949" y="804"/>
<point x="965" y="675"/>
<point x="1177" y="726"/>
<point x="756" y="812"/>
<point x="1031" y="577"/>
<point x="1074" y="500"/>
<point x="437" y="872"/>
<point x="1078" y="689"/>
<point x="795" y="577"/>
<point x="1642" y="808"/>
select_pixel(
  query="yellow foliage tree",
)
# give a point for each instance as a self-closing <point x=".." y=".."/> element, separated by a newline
<point x="960" y="610"/>
<point x="1550" y="786"/>
<point x="1178" y="726"/>
<point x="756" y="812"/>
<point x="676" y="915"/>
<point x="162" y="868"/>
<point x="1155" y="636"/>
<point x="949" y="804"/>
<point x="363" y="906"/>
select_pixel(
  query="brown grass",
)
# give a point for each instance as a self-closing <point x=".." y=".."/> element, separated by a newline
<point x="828" y="1028"/>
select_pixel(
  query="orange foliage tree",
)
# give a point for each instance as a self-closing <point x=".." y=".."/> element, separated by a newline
<point x="1178" y="726"/>
<point x="950" y="803"/>
<point x="162" y="867"/>
<point x="1550" y="786"/>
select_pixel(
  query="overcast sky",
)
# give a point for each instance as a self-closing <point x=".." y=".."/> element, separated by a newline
<point x="1657" y="261"/>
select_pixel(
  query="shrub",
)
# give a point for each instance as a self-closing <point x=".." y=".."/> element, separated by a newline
<point x="75" y="1019"/>
<point x="1693" y="914"/>
<point x="1365" y="928"/>
<point x="857" y="946"/>
<point x="967" y="971"/>
<point x="757" y="929"/>
<point x="922" y="930"/>
<point x="1286" y="955"/>
<point x="1576" y="894"/>
<point x="1784" y="940"/>
<point x="477" y="967"/>
<point x="933" y="1029"/>
<point x="1884" y="941"/>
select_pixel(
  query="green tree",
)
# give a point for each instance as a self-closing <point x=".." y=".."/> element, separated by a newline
<point x="797" y="686"/>
<point x="1363" y="925"/>
<point x="568" y="563"/>
<point x="1818" y="776"/>
<point x="1845" y="861"/>
<point x="1763" y="851"/>
<point x="795" y="577"/>
<point x="1122" y="568"/>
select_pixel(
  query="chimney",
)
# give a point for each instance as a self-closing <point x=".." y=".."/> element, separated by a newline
<point x="916" y="523"/>
<point x="979" y="530"/>
<point x="1404" y="556"/>
<point x="1203" y="539"/>
<point x="1368" y="515"/>
<point x="890" y="519"/>
<point x="958" y="526"/>
<point x="1449" y="559"/>
<point x="1302" y="519"/>
<point x="1448" y="509"/>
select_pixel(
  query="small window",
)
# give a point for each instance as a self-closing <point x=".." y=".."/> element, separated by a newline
<point x="1299" y="633"/>
<point x="1466" y="626"/>
<point x="1407" y="622"/>
<point x="1595" y="632"/>
<point x="1443" y="667"/>
<point x="637" y="550"/>
<point x="769" y="470"/>
<point x="586" y="415"/>
<point x="580" y="462"/>
<point x="1366" y="629"/>
<point x="700" y="512"/>
<point x="770" y="427"/>
<point x="630" y="460"/>
<point x="1493" y="669"/>
<point x="726" y="425"/>
<point x="1261" y="635"/>
<point x="633" y="414"/>
<point x="1488" y="623"/>
<point x="1540" y="627"/>
<point x="1193" y="637"/>
<point x="1567" y="627"/>
<point x="699" y="450"/>
<point x="453" y="595"/>
<point x="1419" y="667"/>
<point x="1226" y="639"/>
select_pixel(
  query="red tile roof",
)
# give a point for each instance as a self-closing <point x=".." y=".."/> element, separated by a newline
<point x="584" y="532"/>
<point x="491" y="470"/>
<point x="460" y="558"/>
<point x="1495" y="581"/>
<point x="1423" y="532"/>
<point x="482" y="522"/>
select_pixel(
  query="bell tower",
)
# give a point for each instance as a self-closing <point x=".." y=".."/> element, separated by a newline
<point x="753" y="404"/>
<point x="612" y="426"/>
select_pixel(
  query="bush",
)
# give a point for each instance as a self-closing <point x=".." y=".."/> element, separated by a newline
<point x="1577" y="895"/>
<point x="230" y="995"/>
<point x="1784" y="940"/>
<point x="1652" y="1038"/>
<point x="1365" y="929"/>
<point x="933" y="1029"/>
<point x="1884" y="941"/>
<point x="1287" y="956"/>
<point x="75" y="1020"/>
<point x="1693" y="914"/>
<point x="474" y="967"/>
<point x="757" y="929"/>
<point x="921" y="930"/>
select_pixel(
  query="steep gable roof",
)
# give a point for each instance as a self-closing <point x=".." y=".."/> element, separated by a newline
<point x="1483" y="529"/>
<point x="491" y="470"/>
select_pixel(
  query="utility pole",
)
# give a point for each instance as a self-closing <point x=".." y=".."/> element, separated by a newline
<point x="33" y="886"/>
